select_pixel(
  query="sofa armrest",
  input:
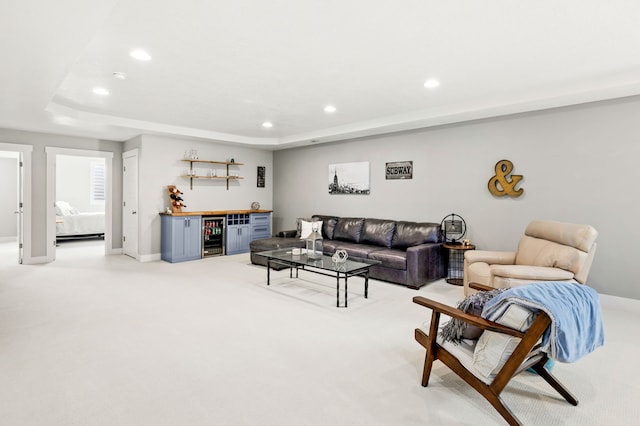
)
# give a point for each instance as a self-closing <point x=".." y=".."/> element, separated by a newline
<point x="425" y="262"/>
<point x="490" y="257"/>
<point x="287" y="234"/>
<point x="533" y="273"/>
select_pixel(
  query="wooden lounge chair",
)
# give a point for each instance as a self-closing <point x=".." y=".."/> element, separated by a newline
<point x="526" y="355"/>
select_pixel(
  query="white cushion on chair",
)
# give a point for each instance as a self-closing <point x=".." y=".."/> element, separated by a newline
<point x="494" y="349"/>
<point x="463" y="351"/>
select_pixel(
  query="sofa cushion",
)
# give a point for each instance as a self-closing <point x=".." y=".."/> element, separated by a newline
<point x="415" y="233"/>
<point x="494" y="349"/>
<point x="539" y="252"/>
<point x="308" y="227"/>
<point x="299" y="225"/>
<point x="328" y="228"/>
<point x="349" y="229"/>
<point x="330" y="246"/>
<point x="582" y="237"/>
<point x="356" y="250"/>
<point x="390" y="258"/>
<point x="378" y="232"/>
<point x="328" y="225"/>
<point x="275" y="243"/>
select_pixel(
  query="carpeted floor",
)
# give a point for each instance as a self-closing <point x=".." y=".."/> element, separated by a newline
<point x="105" y="340"/>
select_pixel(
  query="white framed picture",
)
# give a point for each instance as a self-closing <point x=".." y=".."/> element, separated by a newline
<point x="349" y="178"/>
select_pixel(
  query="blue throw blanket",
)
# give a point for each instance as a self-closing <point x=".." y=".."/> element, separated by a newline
<point x="576" y="321"/>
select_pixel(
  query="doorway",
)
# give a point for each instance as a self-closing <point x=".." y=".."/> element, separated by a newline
<point x="88" y="214"/>
<point x="79" y="205"/>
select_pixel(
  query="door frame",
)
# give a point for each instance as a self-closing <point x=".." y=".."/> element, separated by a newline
<point x="52" y="153"/>
<point x="24" y="174"/>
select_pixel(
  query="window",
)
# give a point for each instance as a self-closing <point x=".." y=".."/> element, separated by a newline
<point x="97" y="182"/>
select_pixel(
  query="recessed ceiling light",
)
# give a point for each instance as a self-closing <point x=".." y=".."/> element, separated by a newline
<point x="120" y="75"/>
<point x="100" y="91"/>
<point x="329" y="109"/>
<point x="267" y="124"/>
<point x="140" y="55"/>
<point x="431" y="83"/>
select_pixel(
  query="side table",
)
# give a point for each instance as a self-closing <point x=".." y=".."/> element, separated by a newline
<point x="456" y="262"/>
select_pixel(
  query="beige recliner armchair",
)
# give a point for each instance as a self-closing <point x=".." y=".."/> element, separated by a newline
<point x="548" y="251"/>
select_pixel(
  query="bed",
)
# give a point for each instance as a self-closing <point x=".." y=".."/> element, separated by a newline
<point x="71" y="223"/>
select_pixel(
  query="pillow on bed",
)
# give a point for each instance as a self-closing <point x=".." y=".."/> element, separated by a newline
<point x="65" y="209"/>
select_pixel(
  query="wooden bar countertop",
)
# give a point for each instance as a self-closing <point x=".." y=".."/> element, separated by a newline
<point x="215" y="212"/>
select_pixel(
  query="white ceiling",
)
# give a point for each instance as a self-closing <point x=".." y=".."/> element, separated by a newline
<point x="221" y="68"/>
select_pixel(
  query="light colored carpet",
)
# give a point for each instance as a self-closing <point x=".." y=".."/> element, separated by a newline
<point x="98" y="340"/>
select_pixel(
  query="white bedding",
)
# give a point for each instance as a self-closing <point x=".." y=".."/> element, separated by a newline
<point x="69" y="221"/>
<point x="80" y="224"/>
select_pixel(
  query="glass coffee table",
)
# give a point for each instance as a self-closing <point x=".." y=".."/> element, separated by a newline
<point x="323" y="266"/>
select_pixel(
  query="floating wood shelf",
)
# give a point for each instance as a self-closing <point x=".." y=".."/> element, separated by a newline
<point x="224" y="163"/>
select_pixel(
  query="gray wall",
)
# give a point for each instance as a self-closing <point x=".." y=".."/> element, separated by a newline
<point x="578" y="165"/>
<point x="160" y="166"/>
<point x="40" y="141"/>
<point x="9" y="179"/>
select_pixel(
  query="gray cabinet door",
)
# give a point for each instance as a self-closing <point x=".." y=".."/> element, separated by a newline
<point x="238" y="239"/>
<point x="180" y="238"/>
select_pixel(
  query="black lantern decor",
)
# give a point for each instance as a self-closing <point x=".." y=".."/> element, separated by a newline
<point x="454" y="228"/>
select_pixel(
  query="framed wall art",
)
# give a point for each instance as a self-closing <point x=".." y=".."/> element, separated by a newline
<point x="349" y="178"/>
<point x="261" y="173"/>
<point x="399" y="170"/>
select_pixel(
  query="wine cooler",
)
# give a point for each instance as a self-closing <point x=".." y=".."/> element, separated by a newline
<point x="213" y="235"/>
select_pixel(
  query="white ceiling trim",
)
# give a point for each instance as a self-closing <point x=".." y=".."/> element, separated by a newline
<point x="151" y="127"/>
<point x="402" y="122"/>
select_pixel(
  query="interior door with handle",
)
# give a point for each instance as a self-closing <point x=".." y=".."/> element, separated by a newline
<point x="130" y="221"/>
<point x="19" y="208"/>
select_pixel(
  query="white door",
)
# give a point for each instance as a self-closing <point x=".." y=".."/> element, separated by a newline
<point x="20" y="208"/>
<point x="130" y="203"/>
<point x="22" y="154"/>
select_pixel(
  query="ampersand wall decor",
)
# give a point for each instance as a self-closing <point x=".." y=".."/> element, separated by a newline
<point x="502" y="184"/>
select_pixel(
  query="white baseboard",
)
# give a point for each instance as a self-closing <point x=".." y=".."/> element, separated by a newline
<point x="36" y="260"/>
<point x="149" y="257"/>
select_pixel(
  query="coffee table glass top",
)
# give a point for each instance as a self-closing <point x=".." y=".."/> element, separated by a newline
<point x="325" y="262"/>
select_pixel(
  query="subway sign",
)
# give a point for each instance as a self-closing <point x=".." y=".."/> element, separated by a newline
<point x="399" y="170"/>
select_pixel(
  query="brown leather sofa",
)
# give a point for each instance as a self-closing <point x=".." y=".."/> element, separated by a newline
<point x="410" y="253"/>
